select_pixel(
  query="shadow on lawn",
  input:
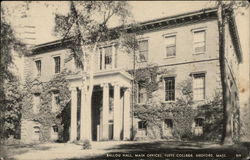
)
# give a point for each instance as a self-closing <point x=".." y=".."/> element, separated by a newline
<point x="17" y="149"/>
<point x="175" y="148"/>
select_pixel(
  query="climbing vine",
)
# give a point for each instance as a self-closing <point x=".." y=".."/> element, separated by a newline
<point x="45" y="117"/>
<point x="182" y="111"/>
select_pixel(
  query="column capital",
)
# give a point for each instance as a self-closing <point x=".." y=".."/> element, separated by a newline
<point x="116" y="84"/>
<point x="72" y="89"/>
<point x="83" y="87"/>
<point x="128" y="89"/>
<point x="105" y="85"/>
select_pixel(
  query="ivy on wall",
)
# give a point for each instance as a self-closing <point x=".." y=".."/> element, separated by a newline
<point x="45" y="117"/>
<point x="181" y="111"/>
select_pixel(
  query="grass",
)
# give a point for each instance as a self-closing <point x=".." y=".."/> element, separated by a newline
<point x="152" y="147"/>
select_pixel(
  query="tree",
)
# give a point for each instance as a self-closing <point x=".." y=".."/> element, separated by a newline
<point x="225" y="13"/>
<point x="9" y="92"/>
<point x="84" y="25"/>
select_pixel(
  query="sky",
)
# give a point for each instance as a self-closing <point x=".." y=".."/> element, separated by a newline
<point x="42" y="17"/>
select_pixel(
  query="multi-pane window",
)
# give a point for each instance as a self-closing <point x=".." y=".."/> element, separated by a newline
<point x="57" y="64"/>
<point x="168" y="123"/>
<point x="142" y="93"/>
<point x="36" y="102"/>
<point x="38" y="67"/>
<point x="170" y="46"/>
<point x="199" y="86"/>
<point x="199" y="41"/>
<point x="55" y="102"/>
<point x="108" y="56"/>
<point x="169" y="88"/>
<point x="143" y="51"/>
<point x="142" y="125"/>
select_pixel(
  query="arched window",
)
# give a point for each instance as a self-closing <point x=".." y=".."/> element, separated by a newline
<point x="36" y="133"/>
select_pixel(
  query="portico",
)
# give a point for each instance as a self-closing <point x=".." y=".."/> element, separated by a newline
<point x="108" y="118"/>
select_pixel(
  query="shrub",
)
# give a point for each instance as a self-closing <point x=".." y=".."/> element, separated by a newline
<point x="86" y="144"/>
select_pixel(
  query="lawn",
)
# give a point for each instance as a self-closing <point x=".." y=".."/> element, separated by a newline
<point x="129" y="150"/>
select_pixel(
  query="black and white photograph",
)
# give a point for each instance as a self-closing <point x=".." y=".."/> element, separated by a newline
<point x="125" y="80"/>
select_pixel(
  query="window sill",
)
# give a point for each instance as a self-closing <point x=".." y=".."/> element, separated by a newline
<point x="168" y="102"/>
<point x="141" y="129"/>
<point x="197" y="101"/>
<point x="141" y="103"/>
<point x="170" y="57"/>
<point x="57" y="73"/>
<point x="199" y="53"/>
<point x="142" y="61"/>
<point x="38" y="76"/>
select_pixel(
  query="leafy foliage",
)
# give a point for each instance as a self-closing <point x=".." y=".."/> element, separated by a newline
<point x="182" y="111"/>
<point x="12" y="105"/>
<point x="45" y="116"/>
<point x="86" y="144"/>
<point x="10" y="93"/>
<point x="9" y="43"/>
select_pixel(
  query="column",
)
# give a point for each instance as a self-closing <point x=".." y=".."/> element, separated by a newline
<point x="105" y="112"/>
<point x="117" y="118"/>
<point x="73" y="122"/>
<point x="85" y="126"/>
<point x="113" y="56"/>
<point x="126" y="120"/>
<point x="103" y="58"/>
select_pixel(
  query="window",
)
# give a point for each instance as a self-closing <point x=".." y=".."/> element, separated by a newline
<point x="199" y="41"/>
<point x="199" y="86"/>
<point x="36" y="134"/>
<point x="143" y="51"/>
<point x="55" y="102"/>
<point x="36" y="102"/>
<point x="106" y="61"/>
<point x="142" y="93"/>
<point x="168" y="123"/>
<point x="142" y="125"/>
<point x="169" y="88"/>
<point x="170" y="46"/>
<point x="108" y="56"/>
<point x="57" y="64"/>
<point x="199" y="122"/>
<point x="55" y="128"/>
<point x="38" y="67"/>
<point x="78" y="64"/>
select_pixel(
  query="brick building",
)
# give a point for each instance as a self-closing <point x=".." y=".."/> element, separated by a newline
<point x="187" y="45"/>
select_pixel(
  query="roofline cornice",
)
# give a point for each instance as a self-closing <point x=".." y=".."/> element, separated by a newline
<point x="145" y="26"/>
<point x="152" y="25"/>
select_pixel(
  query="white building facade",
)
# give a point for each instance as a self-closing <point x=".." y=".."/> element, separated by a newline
<point x="187" y="45"/>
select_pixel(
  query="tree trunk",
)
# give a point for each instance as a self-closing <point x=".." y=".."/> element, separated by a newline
<point x="226" y="132"/>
